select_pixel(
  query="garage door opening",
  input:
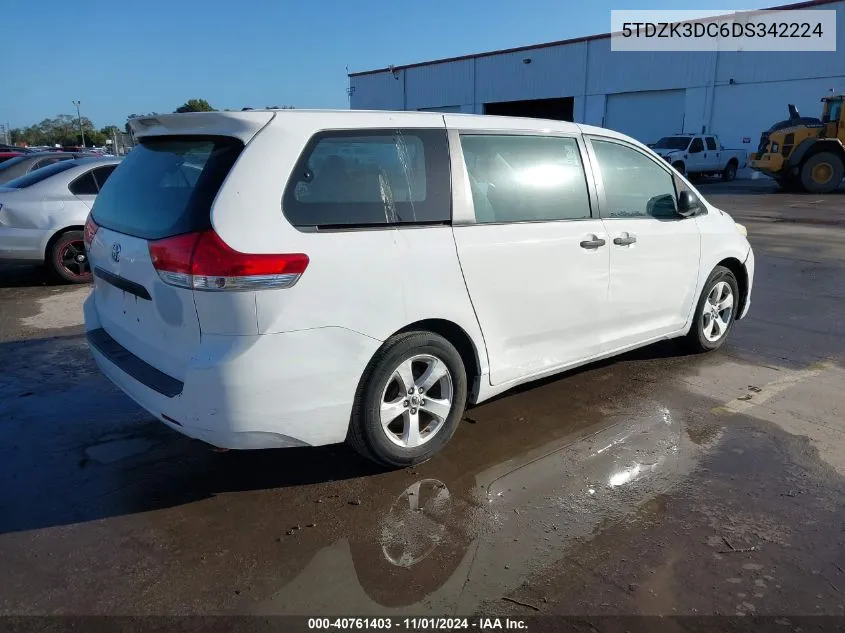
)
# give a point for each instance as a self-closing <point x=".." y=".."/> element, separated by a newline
<point x="558" y="109"/>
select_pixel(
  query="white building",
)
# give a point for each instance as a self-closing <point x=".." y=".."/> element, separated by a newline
<point x="647" y="95"/>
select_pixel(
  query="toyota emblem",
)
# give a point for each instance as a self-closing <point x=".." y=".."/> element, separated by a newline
<point x="115" y="252"/>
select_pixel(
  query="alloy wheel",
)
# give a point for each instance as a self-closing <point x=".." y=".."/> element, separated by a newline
<point x="416" y="400"/>
<point x="718" y="311"/>
<point x="74" y="259"/>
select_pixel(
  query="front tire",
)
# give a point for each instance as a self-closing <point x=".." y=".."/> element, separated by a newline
<point x="410" y="400"/>
<point x="67" y="259"/>
<point x="822" y="172"/>
<point x="715" y="313"/>
<point x="680" y="167"/>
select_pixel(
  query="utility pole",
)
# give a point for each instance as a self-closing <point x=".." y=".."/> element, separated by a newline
<point x="79" y="118"/>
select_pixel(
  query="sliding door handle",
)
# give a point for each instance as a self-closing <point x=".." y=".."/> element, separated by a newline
<point x="626" y="239"/>
<point x="593" y="243"/>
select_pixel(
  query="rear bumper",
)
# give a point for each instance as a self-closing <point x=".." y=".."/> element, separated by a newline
<point x="247" y="392"/>
<point x="23" y="244"/>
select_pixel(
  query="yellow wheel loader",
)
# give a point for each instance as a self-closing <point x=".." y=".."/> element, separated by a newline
<point x="804" y="153"/>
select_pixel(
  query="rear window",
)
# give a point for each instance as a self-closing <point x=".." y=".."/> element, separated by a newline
<point x="34" y="177"/>
<point x="165" y="186"/>
<point x="50" y="160"/>
<point x="362" y="178"/>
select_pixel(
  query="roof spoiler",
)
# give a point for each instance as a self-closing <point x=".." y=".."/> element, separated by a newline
<point x="242" y="125"/>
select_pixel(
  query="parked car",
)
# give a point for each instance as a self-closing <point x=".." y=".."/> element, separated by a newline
<point x="248" y="299"/>
<point x="4" y="156"/>
<point x="13" y="148"/>
<point x="25" y="163"/>
<point x="701" y="155"/>
<point x="42" y="215"/>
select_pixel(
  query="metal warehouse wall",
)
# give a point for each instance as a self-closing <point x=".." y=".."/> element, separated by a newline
<point x="735" y="95"/>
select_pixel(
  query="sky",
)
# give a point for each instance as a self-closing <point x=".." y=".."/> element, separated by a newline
<point x="120" y="58"/>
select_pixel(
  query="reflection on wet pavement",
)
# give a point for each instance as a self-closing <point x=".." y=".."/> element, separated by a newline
<point x="416" y="523"/>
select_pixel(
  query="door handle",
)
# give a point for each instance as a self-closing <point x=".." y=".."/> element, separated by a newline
<point x="595" y="242"/>
<point x="626" y="239"/>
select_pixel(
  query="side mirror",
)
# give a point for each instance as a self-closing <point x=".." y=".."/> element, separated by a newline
<point x="688" y="204"/>
<point x="664" y="207"/>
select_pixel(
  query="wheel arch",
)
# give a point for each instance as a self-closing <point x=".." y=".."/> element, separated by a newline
<point x="738" y="269"/>
<point x="57" y="234"/>
<point x="811" y="146"/>
<point x="462" y="341"/>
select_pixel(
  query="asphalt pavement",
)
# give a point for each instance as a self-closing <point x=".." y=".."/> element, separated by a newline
<point x="654" y="483"/>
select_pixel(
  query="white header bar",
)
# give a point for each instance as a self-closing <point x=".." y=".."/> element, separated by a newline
<point x="687" y="30"/>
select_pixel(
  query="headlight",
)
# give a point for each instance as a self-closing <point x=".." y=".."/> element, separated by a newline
<point x="775" y="148"/>
<point x="741" y="228"/>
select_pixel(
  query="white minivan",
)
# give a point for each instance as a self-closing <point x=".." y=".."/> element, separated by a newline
<point x="289" y="278"/>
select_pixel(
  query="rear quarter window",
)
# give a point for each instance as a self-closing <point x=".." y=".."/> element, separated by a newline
<point x="166" y="185"/>
<point x="375" y="177"/>
<point x="85" y="185"/>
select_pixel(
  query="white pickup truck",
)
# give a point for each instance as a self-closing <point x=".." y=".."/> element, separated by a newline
<point x="700" y="155"/>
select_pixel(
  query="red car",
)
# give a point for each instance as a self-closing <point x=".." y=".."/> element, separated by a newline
<point x="4" y="156"/>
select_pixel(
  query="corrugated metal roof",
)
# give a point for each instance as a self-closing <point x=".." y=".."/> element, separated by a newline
<point x="799" y="5"/>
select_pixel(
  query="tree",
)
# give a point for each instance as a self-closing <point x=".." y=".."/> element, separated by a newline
<point x="110" y="130"/>
<point x="195" y="105"/>
<point x="61" y="130"/>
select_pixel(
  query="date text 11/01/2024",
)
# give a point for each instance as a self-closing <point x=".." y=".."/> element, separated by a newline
<point x="416" y="624"/>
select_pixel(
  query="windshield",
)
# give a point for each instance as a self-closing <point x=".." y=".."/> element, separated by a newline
<point x="832" y="111"/>
<point x="672" y="142"/>
<point x="34" y="177"/>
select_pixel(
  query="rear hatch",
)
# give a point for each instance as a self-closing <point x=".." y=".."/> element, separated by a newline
<point x="160" y="196"/>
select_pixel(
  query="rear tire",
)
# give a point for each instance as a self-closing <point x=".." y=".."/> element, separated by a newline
<point x="729" y="173"/>
<point x="822" y="172"/>
<point x="715" y="313"/>
<point x="394" y="424"/>
<point x="67" y="259"/>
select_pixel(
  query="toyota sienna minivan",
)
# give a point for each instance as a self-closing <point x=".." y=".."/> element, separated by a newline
<point x="297" y="278"/>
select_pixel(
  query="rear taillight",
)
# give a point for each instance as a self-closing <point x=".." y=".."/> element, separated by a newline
<point x="203" y="261"/>
<point x="90" y="231"/>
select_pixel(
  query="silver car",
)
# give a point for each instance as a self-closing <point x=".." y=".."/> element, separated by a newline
<point x="42" y="215"/>
<point x="25" y="163"/>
